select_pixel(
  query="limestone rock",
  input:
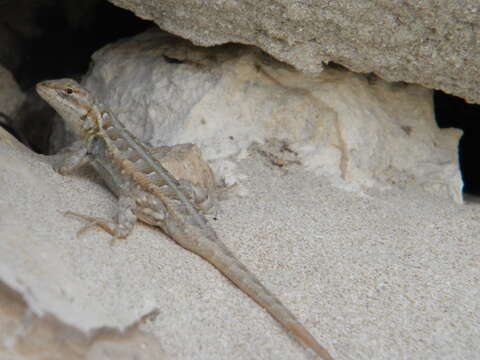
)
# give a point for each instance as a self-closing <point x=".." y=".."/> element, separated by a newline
<point x="427" y="42"/>
<point x="28" y="181"/>
<point x="184" y="161"/>
<point x="11" y="97"/>
<point x="368" y="275"/>
<point x="359" y="129"/>
<point x="24" y="336"/>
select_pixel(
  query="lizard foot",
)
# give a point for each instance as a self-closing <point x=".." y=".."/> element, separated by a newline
<point x="106" y="225"/>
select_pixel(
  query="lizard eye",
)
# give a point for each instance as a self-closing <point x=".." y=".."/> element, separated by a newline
<point x="68" y="91"/>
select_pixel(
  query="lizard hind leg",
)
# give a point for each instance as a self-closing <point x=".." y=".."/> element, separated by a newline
<point x="105" y="224"/>
<point x="119" y="229"/>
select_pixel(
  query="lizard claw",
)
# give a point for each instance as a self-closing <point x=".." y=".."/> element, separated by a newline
<point x="93" y="222"/>
<point x="114" y="239"/>
<point x="85" y="227"/>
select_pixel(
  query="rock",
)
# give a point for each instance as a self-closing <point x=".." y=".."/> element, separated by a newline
<point x="427" y="42"/>
<point x="184" y="161"/>
<point x="351" y="127"/>
<point x="8" y="139"/>
<point x="11" y="50"/>
<point x="37" y="123"/>
<point x="28" y="180"/>
<point x="339" y="260"/>
<point x="25" y="335"/>
<point x="11" y="97"/>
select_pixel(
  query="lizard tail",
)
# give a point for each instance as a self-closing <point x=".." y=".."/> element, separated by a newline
<point x="224" y="260"/>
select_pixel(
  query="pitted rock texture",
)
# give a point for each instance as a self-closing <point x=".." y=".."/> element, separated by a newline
<point x="427" y="42"/>
<point x="391" y="275"/>
<point x="355" y="129"/>
<point x="11" y="97"/>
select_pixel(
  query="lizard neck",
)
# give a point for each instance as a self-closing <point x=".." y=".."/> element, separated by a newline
<point x="91" y="124"/>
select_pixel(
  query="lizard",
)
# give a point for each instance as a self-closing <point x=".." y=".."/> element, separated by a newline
<point x="146" y="191"/>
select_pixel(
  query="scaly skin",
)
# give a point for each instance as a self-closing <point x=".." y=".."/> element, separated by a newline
<point x="147" y="191"/>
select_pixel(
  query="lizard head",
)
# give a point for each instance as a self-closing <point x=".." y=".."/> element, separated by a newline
<point x="72" y="102"/>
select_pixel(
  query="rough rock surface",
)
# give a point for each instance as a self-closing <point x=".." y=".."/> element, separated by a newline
<point x="429" y="42"/>
<point x="11" y="97"/>
<point x="184" y="161"/>
<point x="357" y="129"/>
<point x="24" y="336"/>
<point x="390" y="275"/>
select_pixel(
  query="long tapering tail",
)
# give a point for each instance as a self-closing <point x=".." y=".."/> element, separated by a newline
<point x="224" y="260"/>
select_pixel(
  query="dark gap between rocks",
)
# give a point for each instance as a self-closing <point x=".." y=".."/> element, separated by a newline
<point x="452" y="111"/>
<point x="48" y="39"/>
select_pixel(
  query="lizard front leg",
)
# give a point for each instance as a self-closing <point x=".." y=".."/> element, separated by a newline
<point x="77" y="156"/>
<point x="119" y="229"/>
<point x="72" y="158"/>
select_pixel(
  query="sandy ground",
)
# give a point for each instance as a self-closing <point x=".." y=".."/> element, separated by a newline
<point x="390" y="274"/>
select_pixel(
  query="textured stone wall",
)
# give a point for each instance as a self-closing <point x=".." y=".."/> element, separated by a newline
<point x="349" y="127"/>
<point x="429" y="42"/>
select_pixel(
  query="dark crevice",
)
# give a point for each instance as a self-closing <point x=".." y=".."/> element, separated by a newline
<point x="452" y="111"/>
<point x="71" y="31"/>
<point x="171" y="60"/>
<point x="48" y="39"/>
